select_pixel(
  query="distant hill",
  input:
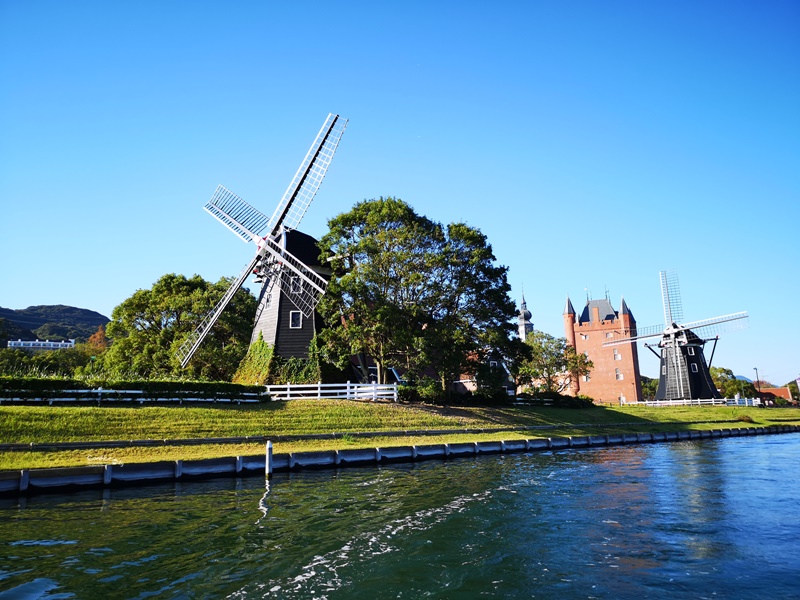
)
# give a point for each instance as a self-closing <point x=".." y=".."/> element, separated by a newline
<point x="49" y="322"/>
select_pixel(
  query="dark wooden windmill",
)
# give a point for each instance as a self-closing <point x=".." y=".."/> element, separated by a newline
<point x="285" y="262"/>
<point x="684" y="373"/>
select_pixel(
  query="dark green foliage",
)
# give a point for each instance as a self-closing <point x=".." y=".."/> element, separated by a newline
<point x="192" y="389"/>
<point x="11" y="331"/>
<point x="49" y="363"/>
<point x="412" y="294"/>
<point x="255" y="366"/>
<point x="148" y="328"/>
<point x="649" y="387"/>
<point x="558" y="400"/>
<point x="262" y="366"/>
<point x="728" y="385"/>
<point x="14" y="361"/>
<point x="793" y="390"/>
<point x="553" y="364"/>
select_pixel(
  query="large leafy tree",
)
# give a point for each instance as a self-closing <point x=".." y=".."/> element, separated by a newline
<point x="381" y="252"/>
<point x="472" y="309"/>
<point x="553" y="364"/>
<point x="729" y="386"/>
<point x="409" y="292"/>
<point x="147" y="329"/>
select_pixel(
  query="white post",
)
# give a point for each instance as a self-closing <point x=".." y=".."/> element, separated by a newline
<point x="347" y="393"/>
<point x="319" y="390"/>
<point x="268" y="464"/>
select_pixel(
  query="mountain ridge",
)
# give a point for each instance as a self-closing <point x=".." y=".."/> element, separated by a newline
<point x="49" y="321"/>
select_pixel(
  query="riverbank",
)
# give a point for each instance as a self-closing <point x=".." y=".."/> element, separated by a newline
<point x="327" y="425"/>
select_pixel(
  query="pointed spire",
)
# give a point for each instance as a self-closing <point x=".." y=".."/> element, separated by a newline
<point x="624" y="310"/>
<point x="525" y="325"/>
<point x="569" y="309"/>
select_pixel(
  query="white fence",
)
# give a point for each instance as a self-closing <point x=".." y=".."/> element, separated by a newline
<point x="708" y="402"/>
<point x="334" y="391"/>
<point x="290" y="391"/>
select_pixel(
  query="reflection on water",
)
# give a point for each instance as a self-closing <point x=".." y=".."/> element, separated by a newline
<point x="710" y="518"/>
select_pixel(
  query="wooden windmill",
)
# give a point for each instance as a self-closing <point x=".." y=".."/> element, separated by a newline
<point x="684" y="373"/>
<point x="282" y="262"/>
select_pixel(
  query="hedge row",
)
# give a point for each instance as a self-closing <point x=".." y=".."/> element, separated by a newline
<point x="161" y="388"/>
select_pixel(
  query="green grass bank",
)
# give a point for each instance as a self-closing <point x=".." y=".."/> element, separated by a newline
<point x="52" y="424"/>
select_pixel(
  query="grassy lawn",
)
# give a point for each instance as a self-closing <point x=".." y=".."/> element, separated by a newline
<point x="40" y="424"/>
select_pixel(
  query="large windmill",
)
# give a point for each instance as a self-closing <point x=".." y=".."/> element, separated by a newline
<point x="684" y="372"/>
<point x="283" y="261"/>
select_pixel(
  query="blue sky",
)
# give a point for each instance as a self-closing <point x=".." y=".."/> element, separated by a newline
<point x="594" y="143"/>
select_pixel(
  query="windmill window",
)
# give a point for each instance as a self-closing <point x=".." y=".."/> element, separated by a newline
<point x="492" y="364"/>
<point x="609" y="335"/>
<point x="619" y="376"/>
<point x="617" y="355"/>
<point x="690" y="351"/>
<point x="587" y="378"/>
<point x="295" y="319"/>
<point x="664" y="370"/>
<point x="584" y="336"/>
<point x="694" y="367"/>
<point x="294" y="285"/>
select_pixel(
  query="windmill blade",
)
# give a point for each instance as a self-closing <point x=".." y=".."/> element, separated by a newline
<point x="236" y="214"/>
<point x="641" y="333"/>
<point x="306" y="181"/>
<point x="713" y="326"/>
<point x="192" y="343"/>
<point x="302" y="286"/>
<point x="671" y="297"/>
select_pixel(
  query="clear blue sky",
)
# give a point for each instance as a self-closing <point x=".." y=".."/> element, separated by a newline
<point x="594" y="143"/>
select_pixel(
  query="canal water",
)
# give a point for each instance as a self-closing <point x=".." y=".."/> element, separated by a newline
<point x="695" y="519"/>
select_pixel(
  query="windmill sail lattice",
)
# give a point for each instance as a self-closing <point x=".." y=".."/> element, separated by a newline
<point x="684" y="371"/>
<point x="273" y="263"/>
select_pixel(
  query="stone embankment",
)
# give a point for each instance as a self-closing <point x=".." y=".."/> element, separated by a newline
<point x="63" y="479"/>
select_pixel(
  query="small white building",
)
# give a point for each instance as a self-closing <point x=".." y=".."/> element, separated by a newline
<point x="41" y="344"/>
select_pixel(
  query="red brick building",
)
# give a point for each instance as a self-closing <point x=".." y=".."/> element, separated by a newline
<point x="615" y="375"/>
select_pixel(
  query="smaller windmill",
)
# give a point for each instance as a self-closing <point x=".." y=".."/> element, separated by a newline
<point x="684" y="371"/>
<point x="273" y="265"/>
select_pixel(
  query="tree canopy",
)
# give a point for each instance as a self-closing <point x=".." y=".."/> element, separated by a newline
<point x="147" y="329"/>
<point x="553" y="364"/>
<point x="728" y="385"/>
<point x="412" y="293"/>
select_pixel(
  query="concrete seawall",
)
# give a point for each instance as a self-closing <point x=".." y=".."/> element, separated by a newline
<point x="63" y="479"/>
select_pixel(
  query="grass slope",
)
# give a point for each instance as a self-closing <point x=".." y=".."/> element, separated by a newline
<point x="41" y="424"/>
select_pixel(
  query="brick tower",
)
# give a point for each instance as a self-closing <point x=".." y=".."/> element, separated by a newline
<point x="615" y="375"/>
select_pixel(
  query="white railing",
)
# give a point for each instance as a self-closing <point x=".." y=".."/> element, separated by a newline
<point x="698" y="402"/>
<point x="334" y="391"/>
<point x="290" y="391"/>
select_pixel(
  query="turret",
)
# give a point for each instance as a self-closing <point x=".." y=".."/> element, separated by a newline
<point x="525" y="325"/>
<point x="569" y="323"/>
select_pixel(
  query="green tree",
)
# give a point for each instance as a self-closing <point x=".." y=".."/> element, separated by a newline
<point x="148" y="328"/>
<point x="471" y="308"/>
<point x="59" y="363"/>
<point x="553" y="364"/>
<point x="375" y="303"/>
<point x="729" y="386"/>
<point x="649" y="387"/>
<point x="14" y="361"/>
<point x="410" y="293"/>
